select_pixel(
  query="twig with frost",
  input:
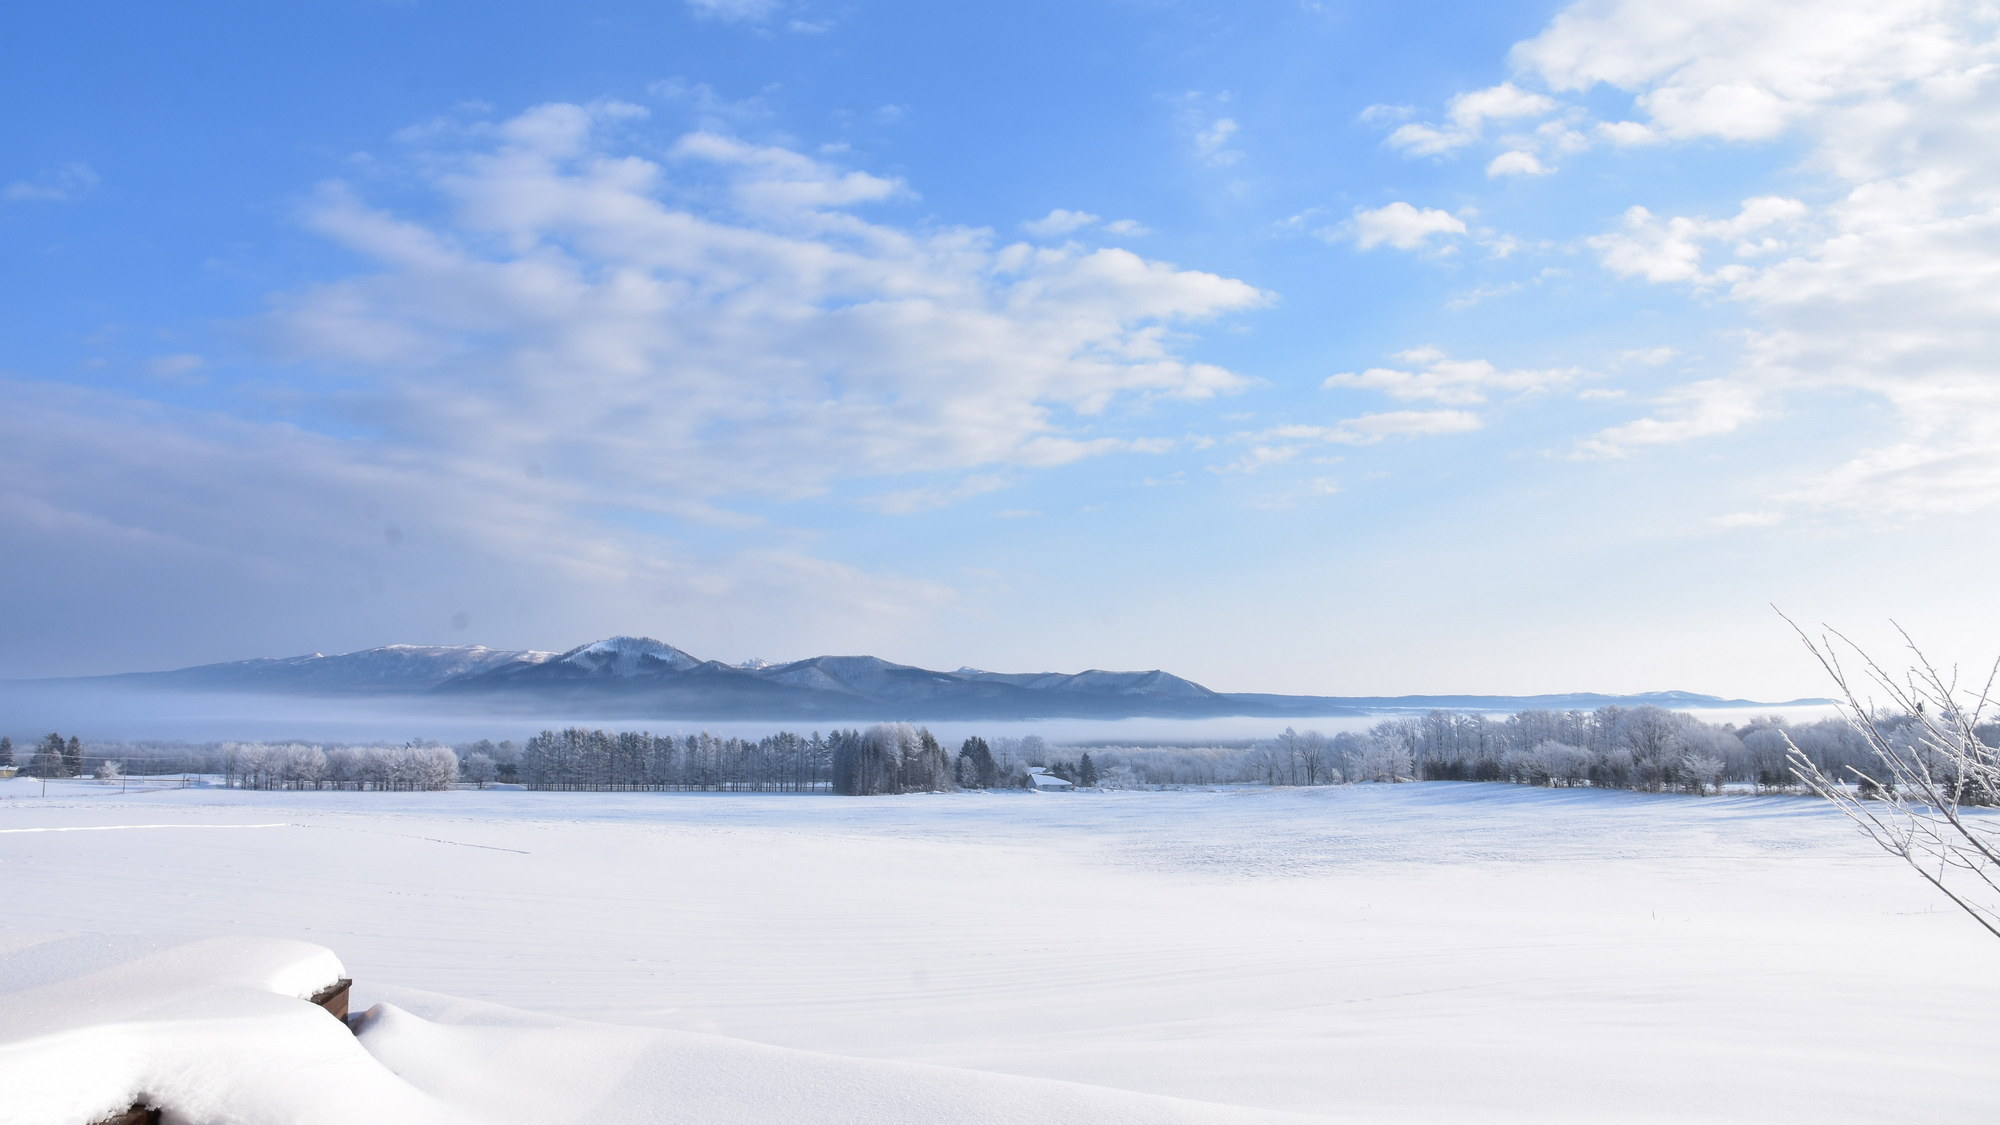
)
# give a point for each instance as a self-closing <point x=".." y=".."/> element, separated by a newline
<point x="1930" y="767"/>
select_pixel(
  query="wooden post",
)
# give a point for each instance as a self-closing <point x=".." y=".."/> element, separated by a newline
<point x="334" y="998"/>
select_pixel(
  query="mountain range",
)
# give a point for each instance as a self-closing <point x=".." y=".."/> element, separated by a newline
<point x="638" y="677"/>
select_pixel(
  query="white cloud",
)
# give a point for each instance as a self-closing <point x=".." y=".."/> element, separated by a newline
<point x="1059" y="222"/>
<point x="1516" y="162"/>
<point x="1627" y="134"/>
<point x="1400" y="225"/>
<point x="561" y="364"/>
<point x="1951" y="470"/>
<point x="1204" y="119"/>
<point x="1371" y="428"/>
<point x="1472" y="297"/>
<point x="1261" y="456"/>
<point x="772" y="179"/>
<point x="1888" y="287"/>
<point x="1211" y="142"/>
<point x="1703" y="409"/>
<point x="1672" y="250"/>
<point x="923" y="499"/>
<point x="1717" y="68"/>
<point x="1298" y="493"/>
<point x="1367" y="429"/>
<point x="735" y="11"/>
<point x="1648" y="357"/>
<point x="1439" y="378"/>
<point x="724" y="322"/>
<point x="1281" y="445"/>
<point x="1466" y="116"/>
<point x="64" y="183"/>
<point x="1884" y="284"/>
<point x="1505" y="102"/>
<point x="714" y="112"/>
<point x="138" y="526"/>
<point x="180" y="364"/>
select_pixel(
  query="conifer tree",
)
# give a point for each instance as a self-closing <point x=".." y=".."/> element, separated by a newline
<point x="1086" y="772"/>
<point x="47" y="761"/>
<point x="979" y="771"/>
<point x="6" y="751"/>
<point x="72" y="757"/>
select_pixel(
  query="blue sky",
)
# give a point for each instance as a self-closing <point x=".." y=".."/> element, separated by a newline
<point x="1330" y="347"/>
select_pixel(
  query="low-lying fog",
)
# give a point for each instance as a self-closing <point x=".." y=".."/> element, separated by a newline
<point x="94" y="713"/>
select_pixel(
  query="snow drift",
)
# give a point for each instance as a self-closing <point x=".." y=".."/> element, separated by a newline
<point x="218" y="1031"/>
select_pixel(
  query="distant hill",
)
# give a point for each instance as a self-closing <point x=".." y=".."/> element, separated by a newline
<point x="638" y="677"/>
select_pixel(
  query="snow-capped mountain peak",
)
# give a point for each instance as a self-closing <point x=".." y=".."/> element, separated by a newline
<point x="628" y="656"/>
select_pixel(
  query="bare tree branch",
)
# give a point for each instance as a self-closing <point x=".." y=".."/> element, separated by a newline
<point x="1931" y="767"/>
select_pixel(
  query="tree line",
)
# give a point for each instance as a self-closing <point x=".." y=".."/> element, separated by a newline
<point x="886" y="758"/>
<point x="53" y="756"/>
<point x="1614" y="747"/>
<point x="1643" y="748"/>
<point x="293" y="765"/>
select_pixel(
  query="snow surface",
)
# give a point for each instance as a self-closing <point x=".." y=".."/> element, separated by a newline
<point x="1434" y="952"/>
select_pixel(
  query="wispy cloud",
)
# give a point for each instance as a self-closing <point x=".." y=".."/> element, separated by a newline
<point x="1466" y="118"/>
<point x="1278" y="445"/>
<point x="1698" y="410"/>
<point x="1210" y="129"/>
<point x="913" y="500"/>
<point x="735" y="11"/>
<point x="1435" y="376"/>
<point x="64" y="183"/>
<point x="769" y="340"/>
<point x="1059" y="222"/>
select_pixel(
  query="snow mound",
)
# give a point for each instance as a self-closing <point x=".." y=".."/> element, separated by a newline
<point x="215" y="1031"/>
<point x="220" y="1031"/>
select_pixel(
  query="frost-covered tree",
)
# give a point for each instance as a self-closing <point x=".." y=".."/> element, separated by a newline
<point x="1383" y="754"/>
<point x="48" y="760"/>
<point x="345" y="767"/>
<point x="925" y="767"/>
<point x="107" y="770"/>
<point x="1310" y="751"/>
<point x="1121" y="777"/>
<point x="1766" y="755"/>
<point x="301" y="767"/>
<point x="1931" y="769"/>
<point x="478" y="768"/>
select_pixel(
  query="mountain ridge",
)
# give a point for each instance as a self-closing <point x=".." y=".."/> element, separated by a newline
<point x="640" y="677"/>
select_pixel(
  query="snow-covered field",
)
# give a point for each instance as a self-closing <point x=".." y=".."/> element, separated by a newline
<point x="1431" y="952"/>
